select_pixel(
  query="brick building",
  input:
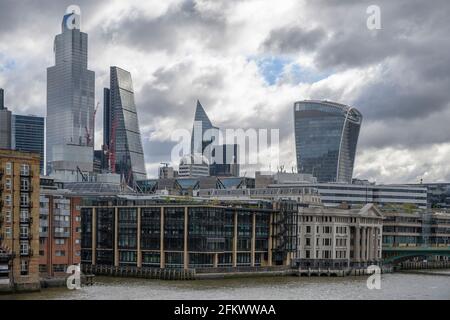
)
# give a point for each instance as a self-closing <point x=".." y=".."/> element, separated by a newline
<point x="19" y="220"/>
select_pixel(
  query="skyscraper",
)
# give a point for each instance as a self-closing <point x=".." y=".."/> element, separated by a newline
<point x="5" y="124"/>
<point x="326" y="136"/>
<point x="28" y="135"/>
<point x="201" y="124"/>
<point x="122" y="137"/>
<point x="70" y="105"/>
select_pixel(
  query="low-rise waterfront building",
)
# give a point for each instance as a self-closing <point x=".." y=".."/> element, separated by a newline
<point x="149" y="232"/>
<point x="19" y="219"/>
<point x="334" y="238"/>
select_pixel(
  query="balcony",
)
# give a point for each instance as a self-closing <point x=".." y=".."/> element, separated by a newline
<point x="26" y="205"/>
<point x="29" y="253"/>
<point x="28" y="189"/>
<point x="26" y="220"/>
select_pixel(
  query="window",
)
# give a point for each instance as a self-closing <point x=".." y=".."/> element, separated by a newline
<point x="24" y="248"/>
<point x="24" y="199"/>
<point x="8" y="168"/>
<point x="24" y="267"/>
<point x="24" y="215"/>
<point x="8" y="200"/>
<point x="8" y="184"/>
<point x="78" y="230"/>
<point x="60" y="241"/>
<point x="78" y="219"/>
<point x="308" y="229"/>
<point x="24" y="184"/>
<point x="24" y="231"/>
<point x="24" y="170"/>
<point x="8" y="216"/>
<point x="42" y="268"/>
<point x="8" y="232"/>
<point x="308" y="242"/>
<point x="59" y="268"/>
<point x="60" y="253"/>
<point x="77" y="241"/>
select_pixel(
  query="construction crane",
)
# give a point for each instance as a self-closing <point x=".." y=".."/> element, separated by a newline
<point x="88" y="133"/>
<point x="112" y="147"/>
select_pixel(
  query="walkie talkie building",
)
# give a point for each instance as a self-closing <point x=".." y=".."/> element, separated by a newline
<point x="326" y="137"/>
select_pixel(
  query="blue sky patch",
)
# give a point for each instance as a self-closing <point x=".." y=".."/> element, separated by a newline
<point x="272" y="68"/>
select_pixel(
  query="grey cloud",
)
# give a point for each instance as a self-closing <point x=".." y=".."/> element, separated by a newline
<point x="168" y="32"/>
<point x="294" y="39"/>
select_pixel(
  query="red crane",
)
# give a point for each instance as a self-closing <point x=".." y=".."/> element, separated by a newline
<point x="112" y="147"/>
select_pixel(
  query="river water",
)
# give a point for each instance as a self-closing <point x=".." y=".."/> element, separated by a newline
<point x="393" y="286"/>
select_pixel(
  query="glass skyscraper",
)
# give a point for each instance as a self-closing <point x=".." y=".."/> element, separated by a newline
<point x="5" y="124"/>
<point x="201" y="124"/>
<point x="28" y="135"/>
<point x="70" y="105"/>
<point x="326" y="137"/>
<point x="122" y="135"/>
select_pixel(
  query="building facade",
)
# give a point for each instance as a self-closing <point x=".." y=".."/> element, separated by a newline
<point x="5" y="123"/>
<point x="336" y="194"/>
<point x="28" y="135"/>
<point x="145" y="233"/>
<point x="19" y="218"/>
<point x="339" y="238"/>
<point x="70" y="106"/>
<point x="417" y="228"/>
<point x="59" y="230"/>
<point x="122" y="133"/>
<point x="326" y="137"/>
<point x="193" y="166"/>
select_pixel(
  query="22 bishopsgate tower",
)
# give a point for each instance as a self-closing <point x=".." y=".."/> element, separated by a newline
<point x="326" y="136"/>
<point x="70" y="104"/>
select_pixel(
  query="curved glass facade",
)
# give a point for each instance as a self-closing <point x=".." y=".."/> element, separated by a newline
<point x="326" y="136"/>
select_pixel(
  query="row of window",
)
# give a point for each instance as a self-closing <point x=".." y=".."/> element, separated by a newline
<point x="24" y="169"/>
<point x="58" y="241"/>
<point x="24" y="200"/>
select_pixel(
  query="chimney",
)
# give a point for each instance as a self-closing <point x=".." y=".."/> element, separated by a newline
<point x="2" y="99"/>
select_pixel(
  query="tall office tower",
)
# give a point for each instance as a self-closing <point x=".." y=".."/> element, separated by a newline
<point x="70" y="105"/>
<point x="5" y="124"/>
<point x="28" y="135"/>
<point x="200" y="141"/>
<point x="326" y="136"/>
<point x="122" y="136"/>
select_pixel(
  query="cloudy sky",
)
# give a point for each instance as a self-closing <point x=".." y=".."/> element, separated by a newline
<point x="248" y="61"/>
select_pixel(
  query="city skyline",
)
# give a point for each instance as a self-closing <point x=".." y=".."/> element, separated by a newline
<point x="261" y="70"/>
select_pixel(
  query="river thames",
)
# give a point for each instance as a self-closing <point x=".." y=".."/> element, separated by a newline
<point x="393" y="286"/>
